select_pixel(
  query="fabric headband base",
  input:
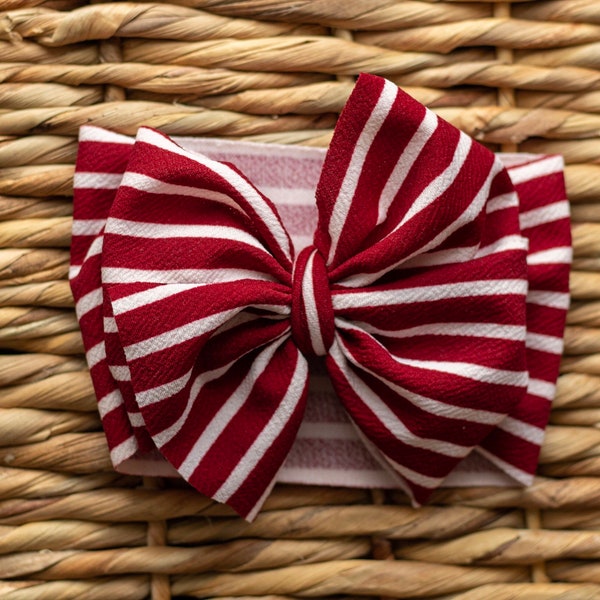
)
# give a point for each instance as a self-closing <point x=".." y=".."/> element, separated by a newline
<point x="327" y="447"/>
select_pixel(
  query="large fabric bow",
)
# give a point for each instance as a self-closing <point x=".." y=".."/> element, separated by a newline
<point x="199" y="319"/>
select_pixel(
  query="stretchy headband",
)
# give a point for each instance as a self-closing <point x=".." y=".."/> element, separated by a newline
<point x="433" y="296"/>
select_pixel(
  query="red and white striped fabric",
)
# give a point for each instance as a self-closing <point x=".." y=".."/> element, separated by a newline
<point x="433" y="294"/>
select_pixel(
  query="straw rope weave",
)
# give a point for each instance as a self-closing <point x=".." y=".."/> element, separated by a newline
<point x="518" y="76"/>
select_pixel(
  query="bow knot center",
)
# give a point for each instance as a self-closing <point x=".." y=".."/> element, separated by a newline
<point x="312" y="310"/>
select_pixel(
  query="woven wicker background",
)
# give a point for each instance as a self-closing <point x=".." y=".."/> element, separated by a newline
<point x="518" y="76"/>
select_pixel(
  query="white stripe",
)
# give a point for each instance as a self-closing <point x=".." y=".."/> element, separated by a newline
<point x="469" y="371"/>
<point x="95" y="354"/>
<point x="387" y="417"/>
<point x="96" y="181"/>
<point x="256" y="508"/>
<point x="553" y="256"/>
<point x="517" y="474"/>
<point x="502" y="202"/>
<point x="428" y="293"/>
<point x="154" y="231"/>
<point x="471" y="212"/>
<point x="456" y="255"/>
<point x="120" y="372"/>
<point x="343" y="202"/>
<point x="541" y="389"/>
<point x="266" y="212"/>
<point x="540" y="168"/>
<point x="544" y="343"/>
<point x="506" y="243"/>
<point x="441" y="257"/>
<point x="246" y="317"/>
<point x="278" y="310"/>
<point x="178" y="335"/>
<point x="139" y="299"/>
<point x="95" y="247"/>
<point x="430" y="405"/>
<point x="145" y="183"/>
<point x="109" y="402"/>
<point x="525" y="431"/>
<point x="310" y="308"/>
<point x="123" y="451"/>
<point x="88" y="302"/>
<point x="550" y="299"/>
<point x="161" y="392"/>
<point x="544" y="214"/>
<point x="229" y="409"/>
<point x="92" y="133"/>
<point x="193" y="277"/>
<point x="480" y="330"/>
<point x="87" y="226"/>
<point x="136" y="419"/>
<point x="419" y="478"/>
<point x="110" y="325"/>
<point x="167" y="434"/>
<point x="179" y="276"/>
<point x="405" y="163"/>
<point x="441" y="183"/>
<point x="269" y="434"/>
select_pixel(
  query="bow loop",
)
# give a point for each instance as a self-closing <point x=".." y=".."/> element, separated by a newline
<point x="175" y="193"/>
<point x="378" y="207"/>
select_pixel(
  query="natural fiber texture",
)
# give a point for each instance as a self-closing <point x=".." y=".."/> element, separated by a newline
<point x="516" y="75"/>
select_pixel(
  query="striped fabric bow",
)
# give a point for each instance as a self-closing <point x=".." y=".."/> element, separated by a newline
<point x="200" y="320"/>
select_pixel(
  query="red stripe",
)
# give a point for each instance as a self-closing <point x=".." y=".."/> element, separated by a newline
<point x="102" y="157"/>
<point x="188" y="253"/>
<point x="349" y="126"/>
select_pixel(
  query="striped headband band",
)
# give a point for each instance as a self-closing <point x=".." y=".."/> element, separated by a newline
<point x="238" y="332"/>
